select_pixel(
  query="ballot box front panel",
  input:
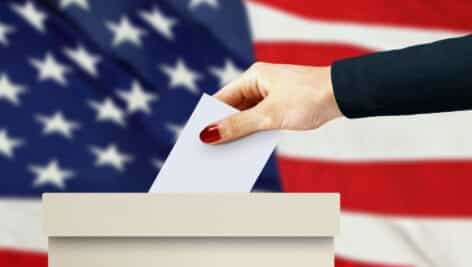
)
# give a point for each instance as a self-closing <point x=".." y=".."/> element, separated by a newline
<point x="210" y="214"/>
<point x="181" y="252"/>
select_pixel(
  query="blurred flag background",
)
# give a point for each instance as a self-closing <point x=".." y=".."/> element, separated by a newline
<point x="93" y="95"/>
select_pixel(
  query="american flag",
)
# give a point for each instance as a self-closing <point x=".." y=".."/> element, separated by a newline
<point x="98" y="90"/>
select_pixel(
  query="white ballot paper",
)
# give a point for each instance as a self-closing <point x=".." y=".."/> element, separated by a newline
<point x="193" y="166"/>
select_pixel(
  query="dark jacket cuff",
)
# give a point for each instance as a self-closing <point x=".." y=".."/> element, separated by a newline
<point x="351" y="99"/>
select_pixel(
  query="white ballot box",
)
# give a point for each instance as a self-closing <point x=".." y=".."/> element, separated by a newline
<point x="191" y="229"/>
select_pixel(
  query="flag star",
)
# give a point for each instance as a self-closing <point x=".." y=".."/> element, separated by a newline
<point x="51" y="69"/>
<point x="227" y="73"/>
<point x="137" y="99"/>
<point x="197" y="3"/>
<point x="111" y="156"/>
<point x="10" y="90"/>
<point x="57" y="123"/>
<point x="159" y="22"/>
<point x="86" y="60"/>
<point x="125" y="31"/>
<point x="157" y="163"/>
<point x="176" y="129"/>
<point x="108" y="111"/>
<point x="51" y="173"/>
<point x="8" y="143"/>
<point x="32" y="15"/>
<point x="4" y="31"/>
<point x="83" y="4"/>
<point x="181" y="75"/>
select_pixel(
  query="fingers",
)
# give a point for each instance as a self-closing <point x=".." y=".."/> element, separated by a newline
<point x="236" y="126"/>
<point x="241" y="93"/>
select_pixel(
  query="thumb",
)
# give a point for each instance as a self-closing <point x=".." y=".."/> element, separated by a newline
<point x="235" y="126"/>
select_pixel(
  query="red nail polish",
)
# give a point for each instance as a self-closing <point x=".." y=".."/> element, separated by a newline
<point x="210" y="134"/>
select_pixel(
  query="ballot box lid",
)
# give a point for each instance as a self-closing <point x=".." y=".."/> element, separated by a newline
<point x="191" y="215"/>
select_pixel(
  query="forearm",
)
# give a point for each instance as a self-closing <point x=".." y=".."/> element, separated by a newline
<point x="429" y="78"/>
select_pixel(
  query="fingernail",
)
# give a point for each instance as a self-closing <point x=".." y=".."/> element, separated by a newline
<point x="210" y="134"/>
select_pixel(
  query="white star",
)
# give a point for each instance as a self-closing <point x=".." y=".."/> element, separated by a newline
<point x="181" y="75"/>
<point x="8" y="144"/>
<point x="159" y="22"/>
<point x="227" y="73"/>
<point x="32" y="15"/>
<point x="111" y="156"/>
<point x="10" y="90"/>
<point x="4" y="31"/>
<point x="108" y="111"/>
<point x="137" y="99"/>
<point x="210" y="3"/>
<point x="157" y="163"/>
<point x="86" y="60"/>
<point x="125" y="31"/>
<point x="79" y="3"/>
<point x="57" y="123"/>
<point x="175" y="129"/>
<point x="51" y="69"/>
<point x="51" y="173"/>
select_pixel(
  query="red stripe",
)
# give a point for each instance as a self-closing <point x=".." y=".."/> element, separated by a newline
<point x="425" y="188"/>
<point x="437" y="14"/>
<point x="341" y="262"/>
<point x="304" y="53"/>
<point x="16" y="258"/>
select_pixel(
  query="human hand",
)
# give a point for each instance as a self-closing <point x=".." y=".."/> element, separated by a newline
<point x="275" y="96"/>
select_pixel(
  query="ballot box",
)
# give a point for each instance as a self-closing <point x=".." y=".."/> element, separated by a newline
<point x="190" y="229"/>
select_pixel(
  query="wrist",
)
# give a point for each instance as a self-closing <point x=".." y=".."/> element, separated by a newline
<point x="332" y="110"/>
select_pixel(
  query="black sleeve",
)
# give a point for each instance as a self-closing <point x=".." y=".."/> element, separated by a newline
<point x="427" y="78"/>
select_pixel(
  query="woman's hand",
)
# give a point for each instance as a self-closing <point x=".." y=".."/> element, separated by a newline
<point x="275" y="96"/>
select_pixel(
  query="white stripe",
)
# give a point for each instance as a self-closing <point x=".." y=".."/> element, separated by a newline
<point x="20" y="225"/>
<point x="269" y="24"/>
<point x="411" y="241"/>
<point x="443" y="135"/>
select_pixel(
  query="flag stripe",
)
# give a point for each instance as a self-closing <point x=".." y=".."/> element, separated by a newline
<point x="20" y="225"/>
<point x="426" y="188"/>
<point x="404" y="241"/>
<point x="385" y="138"/>
<point x="345" y="262"/>
<point x="307" y="53"/>
<point x="17" y="258"/>
<point x="268" y="24"/>
<point x="454" y="14"/>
